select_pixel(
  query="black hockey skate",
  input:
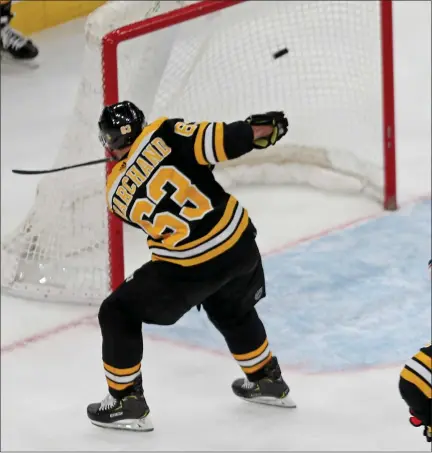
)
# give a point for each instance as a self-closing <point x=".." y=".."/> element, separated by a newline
<point x="17" y="45"/>
<point x="129" y="413"/>
<point x="271" y="389"/>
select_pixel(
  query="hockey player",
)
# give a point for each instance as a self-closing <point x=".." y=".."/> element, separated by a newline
<point x="203" y="252"/>
<point x="13" y="42"/>
<point x="416" y="389"/>
<point x="415" y="385"/>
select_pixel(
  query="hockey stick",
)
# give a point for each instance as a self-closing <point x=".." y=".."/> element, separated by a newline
<point x="54" y="170"/>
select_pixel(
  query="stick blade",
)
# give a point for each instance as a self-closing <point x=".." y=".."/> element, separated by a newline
<point x="28" y="172"/>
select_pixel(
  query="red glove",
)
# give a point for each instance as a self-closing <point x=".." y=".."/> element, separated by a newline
<point x="417" y="423"/>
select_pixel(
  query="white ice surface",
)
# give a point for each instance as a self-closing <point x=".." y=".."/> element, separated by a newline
<point x="48" y="379"/>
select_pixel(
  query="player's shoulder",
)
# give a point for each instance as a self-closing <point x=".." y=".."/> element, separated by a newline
<point x="427" y="350"/>
<point x="151" y="128"/>
<point x="168" y="126"/>
<point x="182" y="128"/>
<point x="170" y="123"/>
<point x="422" y="357"/>
<point x="423" y="354"/>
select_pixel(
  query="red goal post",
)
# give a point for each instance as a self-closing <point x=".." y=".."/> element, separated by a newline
<point x="389" y="133"/>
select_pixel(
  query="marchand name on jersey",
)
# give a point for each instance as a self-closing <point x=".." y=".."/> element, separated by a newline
<point x="139" y="166"/>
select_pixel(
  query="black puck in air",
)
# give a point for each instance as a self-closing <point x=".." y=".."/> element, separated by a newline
<point x="280" y="53"/>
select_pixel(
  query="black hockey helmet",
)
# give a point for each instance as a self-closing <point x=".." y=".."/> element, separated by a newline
<point x="120" y="124"/>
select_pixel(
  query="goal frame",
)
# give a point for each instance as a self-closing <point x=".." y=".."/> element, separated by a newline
<point x="110" y="82"/>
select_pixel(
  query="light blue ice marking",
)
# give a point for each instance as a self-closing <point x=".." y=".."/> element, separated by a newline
<point x="360" y="296"/>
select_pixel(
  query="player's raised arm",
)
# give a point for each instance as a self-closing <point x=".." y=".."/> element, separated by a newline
<point x="218" y="142"/>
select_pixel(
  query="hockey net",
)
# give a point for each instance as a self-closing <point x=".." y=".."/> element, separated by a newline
<point x="213" y="60"/>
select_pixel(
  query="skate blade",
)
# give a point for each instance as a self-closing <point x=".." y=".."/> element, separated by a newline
<point x="286" y="402"/>
<point x="11" y="62"/>
<point x="141" y="424"/>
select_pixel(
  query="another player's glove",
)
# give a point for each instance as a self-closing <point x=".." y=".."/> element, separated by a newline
<point x="427" y="430"/>
<point x="275" y="119"/>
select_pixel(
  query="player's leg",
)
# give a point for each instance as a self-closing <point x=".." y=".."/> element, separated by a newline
<point x="12" y="41"/>
<point x="232" y="311"/>
<point x="147" y="296"/>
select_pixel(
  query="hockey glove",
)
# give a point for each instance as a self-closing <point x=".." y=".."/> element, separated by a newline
<point x="427" y="430"/>
<point x="275" y="119"/>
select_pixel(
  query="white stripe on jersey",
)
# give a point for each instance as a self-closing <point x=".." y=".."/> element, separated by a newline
<point x="209" y="150"/>
<point x="420" y="370"/>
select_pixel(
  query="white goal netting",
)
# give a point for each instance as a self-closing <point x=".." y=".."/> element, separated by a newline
<point x="215" y="67"/>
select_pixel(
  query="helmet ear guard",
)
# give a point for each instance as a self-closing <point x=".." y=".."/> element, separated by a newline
<point x="120" y="125"/>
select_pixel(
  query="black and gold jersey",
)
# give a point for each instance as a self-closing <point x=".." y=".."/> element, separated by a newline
<point x="416" y="386"/>
<point x="166" y="187"/>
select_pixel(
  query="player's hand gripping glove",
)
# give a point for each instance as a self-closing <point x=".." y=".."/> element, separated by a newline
<point x="427" y="432"/>
<point x="275" y="119"/>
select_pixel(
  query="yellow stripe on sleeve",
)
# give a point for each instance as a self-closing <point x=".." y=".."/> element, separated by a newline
<point x="198" y="145"/>
<point x="219" y="143"/>
<point x="424" y="359"/>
